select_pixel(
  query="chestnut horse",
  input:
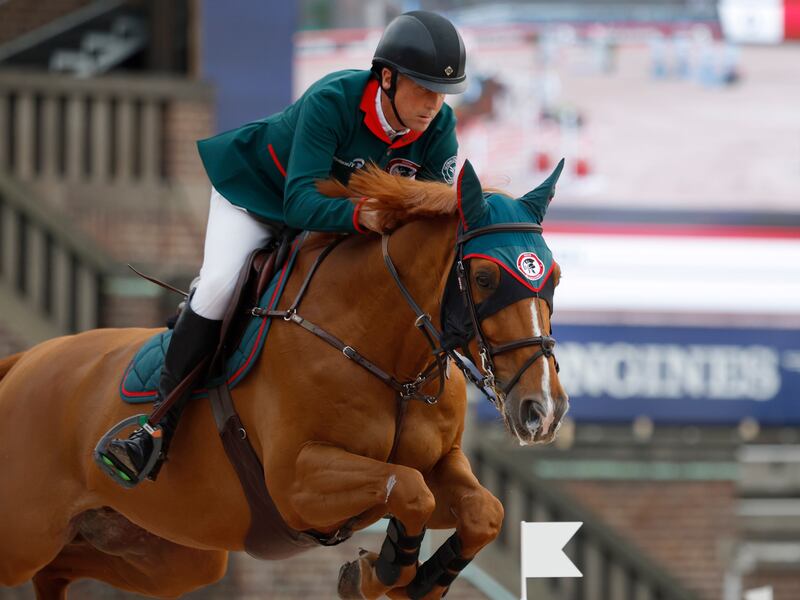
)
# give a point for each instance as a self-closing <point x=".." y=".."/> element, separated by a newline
<point x="322" y="426"/>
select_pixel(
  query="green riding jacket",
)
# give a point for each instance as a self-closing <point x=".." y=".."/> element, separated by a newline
<point x="270" y="166"/>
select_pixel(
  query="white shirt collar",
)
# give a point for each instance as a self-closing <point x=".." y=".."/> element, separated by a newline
<point x="387" y="129"/>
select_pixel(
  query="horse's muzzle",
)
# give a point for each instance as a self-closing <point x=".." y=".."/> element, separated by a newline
<point x="536" y="421"/>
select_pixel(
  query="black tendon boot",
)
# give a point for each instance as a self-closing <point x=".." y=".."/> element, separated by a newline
<point x="193" y="338"/>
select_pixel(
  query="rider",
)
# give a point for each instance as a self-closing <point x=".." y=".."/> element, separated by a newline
<point x="263" y="178"/>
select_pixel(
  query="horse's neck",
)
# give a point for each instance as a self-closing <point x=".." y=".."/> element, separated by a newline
<point x="423" y="253"/>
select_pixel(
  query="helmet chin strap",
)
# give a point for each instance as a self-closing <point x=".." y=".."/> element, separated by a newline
<point x="391" y="92"/>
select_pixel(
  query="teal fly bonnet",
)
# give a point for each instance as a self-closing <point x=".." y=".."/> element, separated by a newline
<point x="526" y="263"/>
<point x="522" y="254"/>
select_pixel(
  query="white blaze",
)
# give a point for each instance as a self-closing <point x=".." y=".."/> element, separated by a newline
<point x="549" y="406"/>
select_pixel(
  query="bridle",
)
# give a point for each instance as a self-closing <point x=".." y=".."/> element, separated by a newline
<point x="484" y="378"/>
<point x="486" y="351"/>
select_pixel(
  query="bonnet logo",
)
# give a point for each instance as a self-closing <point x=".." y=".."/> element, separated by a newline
<point x="530" y="265"/>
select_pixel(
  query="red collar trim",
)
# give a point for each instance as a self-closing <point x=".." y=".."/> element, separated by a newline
<point x="373" y="123"/>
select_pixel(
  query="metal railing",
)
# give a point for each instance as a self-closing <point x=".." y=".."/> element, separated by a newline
<point x="612" y="567"/>
<point x="87" y="149"/>
<point x="107" y="130"/>
<point x="51" y="278"/>
<point x="768" y="514"/>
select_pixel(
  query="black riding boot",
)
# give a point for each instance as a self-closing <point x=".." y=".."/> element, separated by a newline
<point x="193" y="338"/>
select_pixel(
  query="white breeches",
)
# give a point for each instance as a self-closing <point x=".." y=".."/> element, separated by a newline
<point x="231" y="236"/>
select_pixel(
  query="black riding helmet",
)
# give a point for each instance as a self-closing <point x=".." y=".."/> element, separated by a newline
<point x="424" y="47"/>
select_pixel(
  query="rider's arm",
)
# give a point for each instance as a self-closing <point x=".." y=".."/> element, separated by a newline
<point x="316" y="137"/>
<point x="440" y="157"/>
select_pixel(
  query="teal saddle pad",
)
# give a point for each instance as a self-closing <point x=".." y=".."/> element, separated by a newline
<point x="140" y="382"/>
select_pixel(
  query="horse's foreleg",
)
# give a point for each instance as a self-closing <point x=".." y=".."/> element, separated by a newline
<point x="461" y="502"/>
<point x="332" y="485"/>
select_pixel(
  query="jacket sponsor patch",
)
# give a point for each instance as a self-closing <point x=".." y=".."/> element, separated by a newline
<point x="402" y="167"/>
<point x="449" y="170"/>
<point x="356" y="163"/>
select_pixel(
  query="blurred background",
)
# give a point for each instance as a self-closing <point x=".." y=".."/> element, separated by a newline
<point x="676" y="223"/>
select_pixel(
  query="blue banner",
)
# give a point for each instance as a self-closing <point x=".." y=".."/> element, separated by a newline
<point x="679" y="375"/>
<point x="247" y="52"/>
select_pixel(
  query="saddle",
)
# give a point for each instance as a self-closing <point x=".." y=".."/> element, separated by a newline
<point x="254" y="278"/>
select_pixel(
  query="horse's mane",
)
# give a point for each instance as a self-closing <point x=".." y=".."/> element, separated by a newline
<point x="403" y="198"/>
<point x="400" y="199"/>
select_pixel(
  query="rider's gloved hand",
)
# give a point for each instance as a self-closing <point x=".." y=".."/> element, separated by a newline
<point x="377" y="220"/>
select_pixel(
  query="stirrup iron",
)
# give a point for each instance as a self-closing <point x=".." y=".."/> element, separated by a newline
<point x="113" y="467"/>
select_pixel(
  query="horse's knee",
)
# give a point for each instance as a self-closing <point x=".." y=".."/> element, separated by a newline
<point x="412" y="497"/>
<point x="480" y="519"/>
<point x="495" y="514"/>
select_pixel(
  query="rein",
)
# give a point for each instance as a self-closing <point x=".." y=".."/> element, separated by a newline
<point x="407" y="390"/>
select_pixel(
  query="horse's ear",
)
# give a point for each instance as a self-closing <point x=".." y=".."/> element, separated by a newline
<point x="471" y="202"/>
<point x="538" y="200"/>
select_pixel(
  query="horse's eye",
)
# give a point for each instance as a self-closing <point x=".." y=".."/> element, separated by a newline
<point x="484" y="280"/>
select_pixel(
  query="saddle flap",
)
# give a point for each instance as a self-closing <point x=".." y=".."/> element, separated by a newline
<point x="242" y="337"/>
<point x="259" y="265"/>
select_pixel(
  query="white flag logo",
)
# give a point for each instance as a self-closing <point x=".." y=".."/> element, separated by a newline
<point x="541" y="552"/>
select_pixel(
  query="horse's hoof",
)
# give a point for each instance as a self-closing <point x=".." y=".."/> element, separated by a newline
<point x="350" y="581"/>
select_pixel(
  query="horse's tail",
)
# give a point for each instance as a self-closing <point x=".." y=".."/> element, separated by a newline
<point x="8" y="362"/>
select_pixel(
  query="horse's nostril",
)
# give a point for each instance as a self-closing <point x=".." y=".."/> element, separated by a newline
<point x="531" y="414"/>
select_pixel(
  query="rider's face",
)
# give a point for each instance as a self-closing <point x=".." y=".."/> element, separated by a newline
<point x="417" y="105"/>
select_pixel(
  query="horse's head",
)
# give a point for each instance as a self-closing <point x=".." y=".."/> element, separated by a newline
<point x="500" y="296"/>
